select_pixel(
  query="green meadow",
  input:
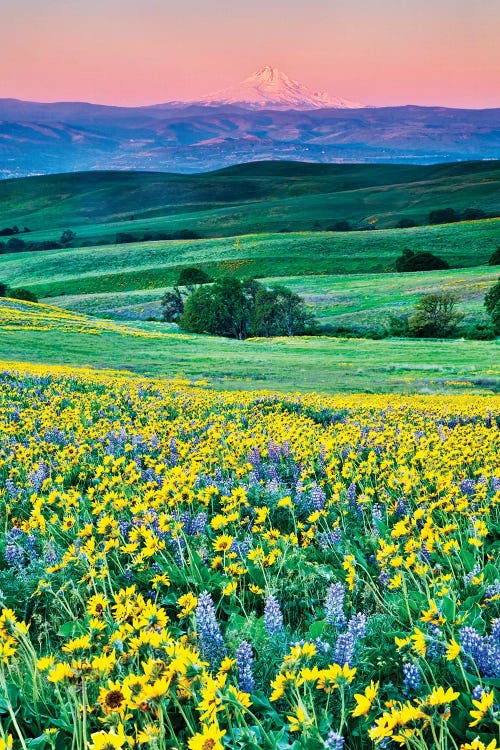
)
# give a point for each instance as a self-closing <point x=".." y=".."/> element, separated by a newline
<point x="347" y="277"/>
<point x="322" y="364"/>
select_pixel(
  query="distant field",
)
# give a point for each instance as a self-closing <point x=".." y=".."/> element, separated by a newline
<point x="36" y="333"/>
<point x="261" y="197"/>
<point x="363" y="300"/>
<point x="142" y="266"/>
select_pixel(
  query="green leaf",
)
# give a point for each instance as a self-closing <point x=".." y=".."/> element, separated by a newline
<point x="317" y="628"/>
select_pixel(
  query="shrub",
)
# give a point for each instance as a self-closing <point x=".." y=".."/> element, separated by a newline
<point x="443" y="216"/>
<point x="23" y="294"/>
<point x="173" y="305"/>
<point x="67" y="237"/>
<point x="340" y="226"/>
<point x="421" y="261"/>
<point x="473" y="214"/>
<point x="480" y="332"/>
<point x="192" y="277"/>
<point x="406" y="223"/>
<point x="495" y="258"/>
<point x="238" y="309"/>
<point x="435" y="316"/>
<point x="492" y="305"/>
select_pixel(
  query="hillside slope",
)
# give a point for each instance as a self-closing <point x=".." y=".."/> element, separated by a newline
<point x="38" y="333"/>
<point x="266" y="196"/>
<point x="148" y="265"/>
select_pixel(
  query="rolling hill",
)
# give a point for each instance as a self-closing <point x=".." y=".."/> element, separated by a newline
<point x="149" y="265"/>
<point x="43" y="334"/>
<point x="250" y="198"/>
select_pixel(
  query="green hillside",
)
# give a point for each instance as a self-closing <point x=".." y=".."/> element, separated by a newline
<point x="259" y="197"/>
<point x="39" y="333"/>
<point x="139" y="266"/>
<point x="363" y="300"/>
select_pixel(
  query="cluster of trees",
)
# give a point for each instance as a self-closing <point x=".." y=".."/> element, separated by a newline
<point x="495" y="257"/>
<point x="236" y="309"/>
<point x="123" y="238"/>
<point x="436" y="315"/>
<point x="24" y="294"/>
<point x="10" y="231"/>
<point x="421" y="261"/>
<point x="492" y="305"/>
<point x="426" y="261"/>
<point x="451" y="215"/>
<point x="17" y="245"/>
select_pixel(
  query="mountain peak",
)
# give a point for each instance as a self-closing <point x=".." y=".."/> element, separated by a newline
<point x="269" y="87"/>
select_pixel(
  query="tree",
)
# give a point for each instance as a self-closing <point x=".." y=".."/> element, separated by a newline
<point x="340" y="226"/>
<point x="4" y="289"/>
<point x="492" y="305"/>
<point x="292" y="315"/>
<point x="173" y="305"/>
<point x="15" y="245"/>
<point x="473" y="214"/>
<point x="495" y="258"/>
<point x="67" y="236"/>
<point x="406" y="223"/>
<point x="237" y="309"/>
<point x="443" y="216"/>
<point x="223" y="309"/>
<point x="192" y="278"/>
<point x="23" y="294"/>
<point x="422" y="261"/>
<point x="435" y="316"/>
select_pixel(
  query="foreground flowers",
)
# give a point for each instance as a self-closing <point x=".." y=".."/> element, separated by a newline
<point x="187" y="568"/>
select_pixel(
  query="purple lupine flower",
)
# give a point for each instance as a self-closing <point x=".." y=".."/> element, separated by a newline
<point x="254" y="458"/>
<point x="357" y="626"/>
<point x="273" y="452"/>
<point x="272" y="487"/>
<point x="377" y="515"/>
<point x="318" y="498"/>
<point x="401" y="508"/>
<point x="474" y="572"/>
<point x="174" y="453"/>
<point x="351" y="494"/>
<point x="38" y="477"/>
<point x="329" y="539"/>
<point x="210" y="638"/>
<point x="468" y="487"/>
<point x="11" y="488"/>
<point x="483" y="651"/>
<point x="14" y="556"/>
<point x="244" y="664"/>
<point x="334" y="603"/>
<point x="412" y="677"/>
<point x="273" y="619"/>
<point x="478" y="692"/>
<point x="344" y="649"/>
<point x="495" y="630"/>
<point x="334" y="741"/>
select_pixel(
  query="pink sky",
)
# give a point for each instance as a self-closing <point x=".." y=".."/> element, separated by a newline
<point x="133" y="52"/>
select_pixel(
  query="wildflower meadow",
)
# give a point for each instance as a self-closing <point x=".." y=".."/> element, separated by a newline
<point x="186" y="568"/>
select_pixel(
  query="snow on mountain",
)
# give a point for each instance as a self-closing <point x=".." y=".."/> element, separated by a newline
<point x="271" y="88"/>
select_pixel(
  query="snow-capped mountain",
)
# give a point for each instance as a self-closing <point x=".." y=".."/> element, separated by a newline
<point x="271" y="88"/>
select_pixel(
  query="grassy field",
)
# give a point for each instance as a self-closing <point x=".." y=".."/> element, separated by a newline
<point x="359" y="299"/>
<point x="250" y="198"/>
<point x="149" y="265"/>
<point x="38" y="333"/>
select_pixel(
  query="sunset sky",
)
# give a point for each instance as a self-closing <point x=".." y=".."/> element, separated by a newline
<point x="379" y="52"/>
